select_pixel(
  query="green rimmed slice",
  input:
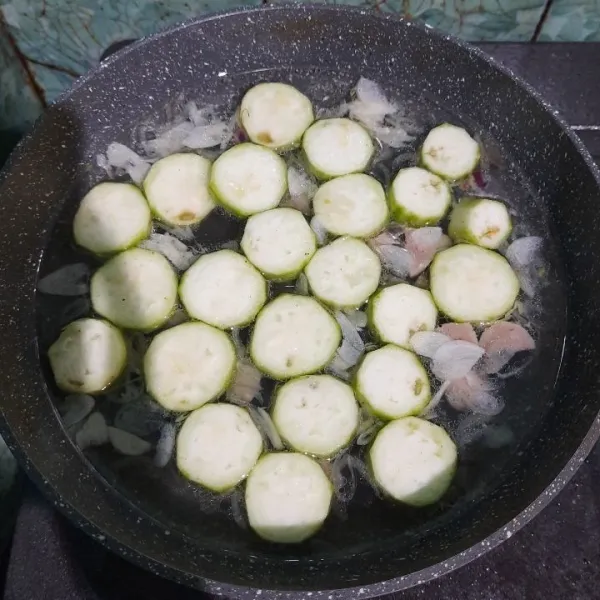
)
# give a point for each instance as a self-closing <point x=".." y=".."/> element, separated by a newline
<point x="317" y="414"/>
<point x="112" y="217"/>
<point x="248" y="179"/>
<point x="419" y="198"/>
<point x="177" y="189"/>
<point x="353" y="205"/>
<point x="288" y="497"/>
<point x="217" y="446"/>
<point x="275" y="115"/>
<point x="335" y="147"/>
<point x="223" y="289"/>
<point x="470" y="283"/>
<point x="279" y="243"/>
<point x="481" y="221"/>
<point x="413" y="461"/>
<point x="88" y="356"/>
<point x="392" y="383"/>
<point x="344" y="273"/>
<point x="136" y="289"/>
<point x="450" y="152"/>
<point x="293" y="336"/>
<point x="189" y="365"/>
<point x="397" y="312"/>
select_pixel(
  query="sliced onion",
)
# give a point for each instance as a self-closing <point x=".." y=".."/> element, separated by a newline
<point x="428" y="412"/>
<point x="209" y="135"/>
<point x="174" y="250"/>
<point x="470" y="429"/>
<point x="301" y="286"/>
<point x="127" y="443"/>
<point x="423" y="244"/>
<point x="474" y="393"/>
<point x="358" y="318"/>
<point x="239" y="345"/>
<point x="396" y="260"/>
<point x="319" y="231"/>
<point x="427" y="343"/>
<point x="71" y="280"/>
<point x="343" y="478"/>
<point x="385" y="238"/>
<point x="75" y="310"/>
<point x="168" y="141"/>
<point x="302" y="187"/>
<point x="459" y="331"/>
<point x="332" y="112"/>
<point x="122" y="157"/>
<point x="524" y="257"/>
<point x="339" y="368"/>
<point x="165" y="445"/>
<point x="501" y="341"/>
<point x="246" y="385"/>
<point x="94" y="432"/>
<point x="263" y="421"/>
<point x="352" y="347"/>
<point x="76" y="408"/>
<point x="367" y="430"/>
<point x="185" y="233"/>
<point x="455" y="359"/>
<point x="139" y="417"/>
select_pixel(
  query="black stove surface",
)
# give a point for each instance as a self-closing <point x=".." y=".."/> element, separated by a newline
<point x="556" y="556"/>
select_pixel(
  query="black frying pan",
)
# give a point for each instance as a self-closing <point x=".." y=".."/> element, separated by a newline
<point x="150" y="516"/>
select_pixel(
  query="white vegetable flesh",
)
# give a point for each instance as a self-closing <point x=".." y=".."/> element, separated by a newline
<point x="111" y="217"/>
<point x="279" y="243"/>
<point x="480" y="221"/>
<point x="293" y="335"/>
<point x="353" y="205"/>
<point x="397" y="312"/>
<point x="335" y="147"/>
<point x="418" y="197"/>
<point x="288" y="497"/>
<point x="316" y="414"/>
<point x="223" y="289"/>
<point x="344" y="273"/>
<point x="413" y="461"/>
<point x="177" y="189"/>
<point x="469" y="283"/>
<point x="217" y="446"/>
<point x="249" y="179"/>
<point x="189" y="365"/>
<point x="275" y="115"/>
<point x="450" y="152"/>
<point x="136" y="289"/>
<point x="392" y="383"/>
<point x="88" y="356"/>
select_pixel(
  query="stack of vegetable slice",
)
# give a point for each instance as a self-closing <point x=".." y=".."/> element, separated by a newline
<point x="338" y="263"/>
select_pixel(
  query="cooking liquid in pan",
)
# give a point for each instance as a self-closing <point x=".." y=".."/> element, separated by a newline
<point x="359" y="517"/>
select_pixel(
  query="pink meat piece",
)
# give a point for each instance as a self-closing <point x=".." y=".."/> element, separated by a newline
<point x="423" y="244"/>
<point x="459" y="331"/>
<point x="501" y="341"/>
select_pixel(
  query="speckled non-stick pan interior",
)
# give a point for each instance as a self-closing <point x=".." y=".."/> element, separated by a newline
<point x="151" y="516"/>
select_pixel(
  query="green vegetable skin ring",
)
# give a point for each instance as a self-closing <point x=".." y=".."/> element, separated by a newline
<point x="248" y="179"/>
<point x="450" y="152"/>
<point x="413" y="461"/>
<point x="293" y="335"/>
<point x="481" y="221"/>
<point x="288" y="497"/>
<point x="136" y="289"/>
<point x="112" y="217"/>
<point x="218" y="445"/>
<point x="317" y="414"/>
<point x="472" y="284"/>
<point x="88" y="356"/>
<point x="391" y="383"/>
<point x="275" y="115"/>
<point x="189" y="365"/>
<point x="335" y="147"/>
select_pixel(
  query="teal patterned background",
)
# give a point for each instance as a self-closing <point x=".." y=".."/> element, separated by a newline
<point x="46" y="44"/>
